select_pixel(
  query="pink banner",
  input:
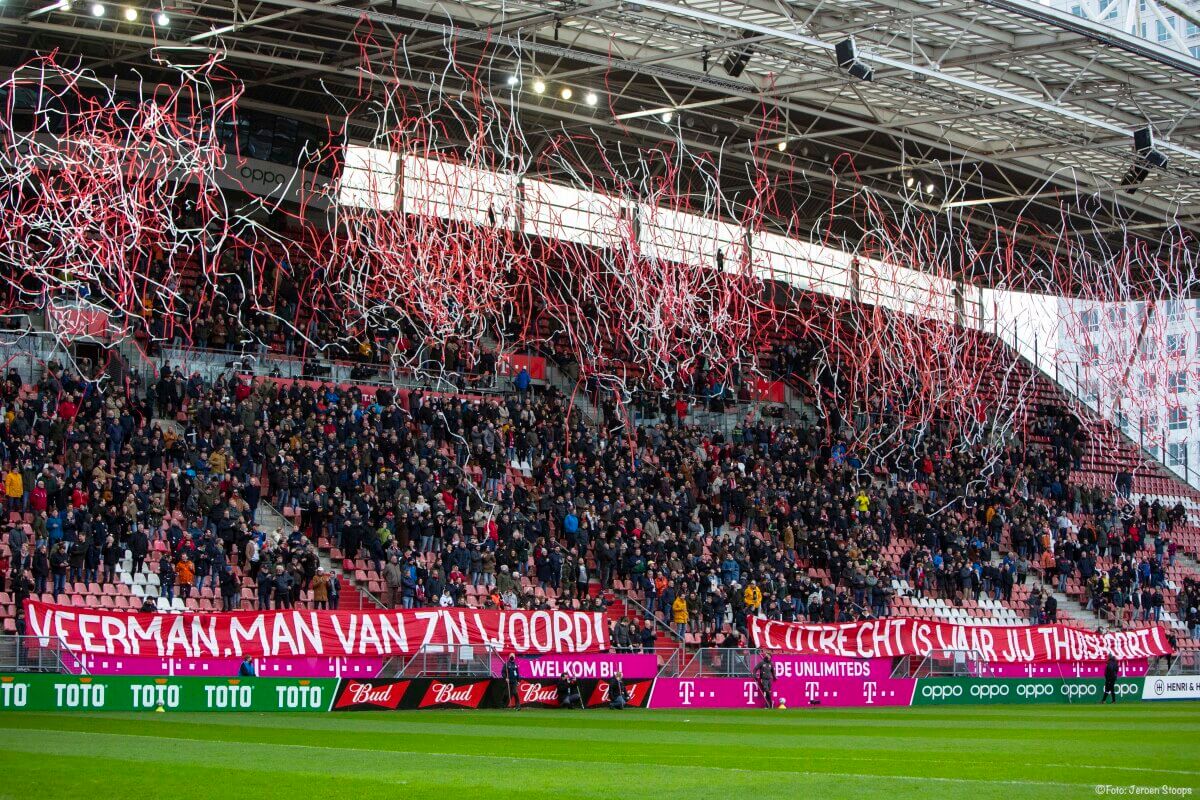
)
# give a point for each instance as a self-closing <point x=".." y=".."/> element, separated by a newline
<point x="596" y="665"/>
<point x="794" y="666"/>
<point x="793" y="692"/>
<point x="1135" y="668"/>
<point x="280" y="667"/>
<point x="844" y="692"/>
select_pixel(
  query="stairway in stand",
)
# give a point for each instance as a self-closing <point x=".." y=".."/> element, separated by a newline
<point x="351" y="597"/>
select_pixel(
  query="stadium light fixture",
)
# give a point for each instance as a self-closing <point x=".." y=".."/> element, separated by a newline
<point x="591" y="98"/>
<point x="929" y="188"/>
<point x="162" y="20"/>
<point x="909" y="181"/>
<point x="1148" y="157"/>
<point x="781" y="146"/>
<point x="130" y="14"/>
<point x="1143" y="144"/>
<point x="539" y="86"/>
<point x="736" y="59"/>
<point x="513" y="80"/>
<point x="566" y="93"/>
<point x="847" y="58"/>
<point x="667" y="116"/>
<point x="98" y="9"/>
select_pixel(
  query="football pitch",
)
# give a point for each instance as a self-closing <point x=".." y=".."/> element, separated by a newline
<point x="975" y="752"/>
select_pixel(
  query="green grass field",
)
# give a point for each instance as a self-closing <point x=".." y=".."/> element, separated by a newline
<point x="1029" y="751"/>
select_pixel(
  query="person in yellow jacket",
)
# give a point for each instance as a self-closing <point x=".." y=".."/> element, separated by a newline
<point x="14" y="489"/>
<point x="679" y="615"/>
<point x="864" y="502"/>
<point x="752" y="597"/>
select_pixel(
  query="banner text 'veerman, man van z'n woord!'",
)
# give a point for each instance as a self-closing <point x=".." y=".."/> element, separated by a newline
<point x="313" y="633"/>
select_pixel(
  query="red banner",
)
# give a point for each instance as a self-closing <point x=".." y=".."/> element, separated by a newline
<point x="888" y="638"/>
<point x="769" y="391"/>
<point x="510" y="364"/>
<point x="315" y="633"/>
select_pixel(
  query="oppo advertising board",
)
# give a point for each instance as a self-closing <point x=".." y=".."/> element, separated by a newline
<point x="1017" y="691"/>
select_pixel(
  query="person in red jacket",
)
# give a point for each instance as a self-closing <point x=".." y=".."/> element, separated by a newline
<point x="67" y="409"/>
<point x="38" y="498"/>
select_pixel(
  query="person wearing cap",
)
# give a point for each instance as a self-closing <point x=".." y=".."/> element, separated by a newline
<point x="230" y="588"/>
<point x="1111" y="671"/>
<point x="320" y="589"/>
<point x="617" y="696"/>
<point x="512" y="677"/>
<point x="764" y="671"/>
<point x="568" y="692"/>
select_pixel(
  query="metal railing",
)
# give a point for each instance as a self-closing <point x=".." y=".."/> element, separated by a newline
<point x="443" y="661"/>
<point x="1185" y="662"/>
<point x="38" y="654"/>
<point x="1073" y="387"/>
<point x="212" y="363"/>
<point x="721" y="662"/>
<point x="942" y="664"/>
<point x="651" y="616"/>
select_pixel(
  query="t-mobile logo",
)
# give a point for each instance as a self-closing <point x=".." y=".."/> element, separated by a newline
<point x="869" y="692"/>
<point x="687" y="690"/>
<point x="812" y="690"/>
<point x="750" y="692"/>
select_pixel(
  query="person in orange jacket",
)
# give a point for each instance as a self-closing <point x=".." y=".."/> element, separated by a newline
<point x="752" y="597"/>
<point x="14" y="489"/>
<point x="679" y="615"/>
<point x="185" y="574"/>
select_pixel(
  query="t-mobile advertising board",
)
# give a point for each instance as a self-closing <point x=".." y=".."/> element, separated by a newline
<point x="809" y="667"/>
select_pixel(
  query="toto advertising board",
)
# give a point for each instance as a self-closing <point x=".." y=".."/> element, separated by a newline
<point x="283" y="667"/>
<point x="991" y="691"/>
<point x="37" y="692"/>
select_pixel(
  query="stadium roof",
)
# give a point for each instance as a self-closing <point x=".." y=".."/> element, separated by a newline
<point x="1007" y="108"/>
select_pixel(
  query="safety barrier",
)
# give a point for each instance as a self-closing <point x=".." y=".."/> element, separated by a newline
<point x="50" y="692"/>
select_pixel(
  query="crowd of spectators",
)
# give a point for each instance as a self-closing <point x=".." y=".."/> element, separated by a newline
<point x="515" y="492"/>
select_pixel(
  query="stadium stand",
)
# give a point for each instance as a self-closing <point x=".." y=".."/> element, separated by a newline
<point x="416" y="497"/>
